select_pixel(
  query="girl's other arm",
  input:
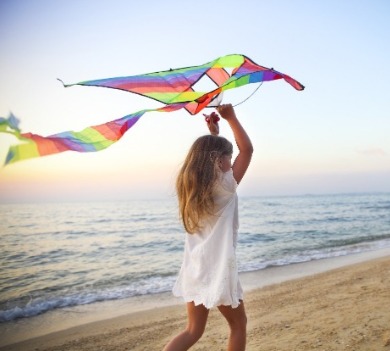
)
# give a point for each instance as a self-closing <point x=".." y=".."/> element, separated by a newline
<point x="212" y="123"/>
<point x="244" y="144"/>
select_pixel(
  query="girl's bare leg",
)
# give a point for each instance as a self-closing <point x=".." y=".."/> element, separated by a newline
<point x="236" y="318"/>
<point x="197" y="318"/>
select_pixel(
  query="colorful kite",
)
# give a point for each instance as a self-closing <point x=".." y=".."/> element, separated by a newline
<point x="176" y="88"/>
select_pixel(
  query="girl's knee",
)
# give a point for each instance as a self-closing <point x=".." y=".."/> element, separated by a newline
<point x="194" y="334"/>
<point x="236" y="317"/>
<point x="239" y="323"/>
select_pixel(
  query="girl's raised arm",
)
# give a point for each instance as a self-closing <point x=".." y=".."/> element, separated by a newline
<point x="244" y="144"/>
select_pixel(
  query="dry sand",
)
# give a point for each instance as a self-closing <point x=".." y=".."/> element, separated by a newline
<point x="342" y="309"/>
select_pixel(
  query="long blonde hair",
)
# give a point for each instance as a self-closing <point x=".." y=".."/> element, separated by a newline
<point x="197" y="176"/>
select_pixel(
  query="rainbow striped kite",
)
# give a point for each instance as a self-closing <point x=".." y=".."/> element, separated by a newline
<point x="175" y="88"/>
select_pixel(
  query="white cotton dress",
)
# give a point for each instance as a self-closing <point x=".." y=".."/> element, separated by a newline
<point x="209" y="273"/>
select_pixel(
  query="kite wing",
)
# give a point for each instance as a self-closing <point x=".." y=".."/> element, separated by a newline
<point x="175" y="88"/>
<point x="179" y="85"/>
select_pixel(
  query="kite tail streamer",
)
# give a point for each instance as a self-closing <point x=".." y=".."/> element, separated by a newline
<point x="90" y="139"/>
<point x="10" y="125"/>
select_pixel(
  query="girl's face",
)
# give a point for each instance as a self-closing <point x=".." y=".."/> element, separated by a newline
<point x="225" y="163"/>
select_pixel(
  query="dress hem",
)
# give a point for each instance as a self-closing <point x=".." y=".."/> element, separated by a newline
<point x="199" y="301"/>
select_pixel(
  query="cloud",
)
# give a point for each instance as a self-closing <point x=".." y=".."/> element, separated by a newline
<point x="373" y="152"/>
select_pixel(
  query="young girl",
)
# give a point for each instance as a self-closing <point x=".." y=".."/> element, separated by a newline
<point x="206" y="188"/>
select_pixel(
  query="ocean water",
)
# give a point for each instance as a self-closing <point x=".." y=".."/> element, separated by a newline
<point x="58" y="255"/>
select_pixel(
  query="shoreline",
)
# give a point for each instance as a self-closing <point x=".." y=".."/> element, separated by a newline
<point x="81" y="321"/>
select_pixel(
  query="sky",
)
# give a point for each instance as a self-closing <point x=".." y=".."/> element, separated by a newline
<point x="331" y="138"/>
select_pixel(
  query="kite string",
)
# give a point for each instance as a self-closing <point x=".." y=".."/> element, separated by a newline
<point x="253" y="93"/>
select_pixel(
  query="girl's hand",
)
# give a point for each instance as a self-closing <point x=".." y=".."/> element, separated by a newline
<point x="226" y="111"/>
<point x="212" y="123"/>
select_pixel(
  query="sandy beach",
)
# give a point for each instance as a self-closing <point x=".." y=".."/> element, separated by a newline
<point x="345" y="308"/>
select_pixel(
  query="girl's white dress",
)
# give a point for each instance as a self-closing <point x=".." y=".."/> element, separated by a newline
<point x="209" y="273"/>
